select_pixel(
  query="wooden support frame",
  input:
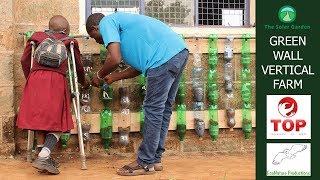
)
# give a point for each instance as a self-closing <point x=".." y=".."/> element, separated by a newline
<point x="94" y="120"/>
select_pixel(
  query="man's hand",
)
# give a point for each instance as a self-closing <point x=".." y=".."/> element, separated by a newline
<point x="109" y="79"/>
<point x="96" y="82"/>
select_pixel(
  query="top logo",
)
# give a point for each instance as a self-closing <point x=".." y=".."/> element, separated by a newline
<point x="287" y="107"/>
<point x="287" y="14"/>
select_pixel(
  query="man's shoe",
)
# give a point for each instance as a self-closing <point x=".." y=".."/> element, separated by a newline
<point x="45" y="165"/>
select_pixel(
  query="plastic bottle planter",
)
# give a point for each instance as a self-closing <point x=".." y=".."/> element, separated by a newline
<point x="197" y="84"/>
<point x="212" y="86"/>
<point x="141" y="120"/>
<point x="213" y="51"/>
<point x="29" y="34"/>
<point x="85" y="132"/>
<point x="124" y="94"/>
<point x="181" y="109"/>
<point x="124" y="116"/>
<point x="198" y="106"/>
<point x="142" y="85"/>
<point x="231" y="120"/>
<point x="106" y="118"/>
<point x="103" y="53"/>
<point x="245" y="51"/>
<point x="199" y="124"/>
<point x="142" y="93"/>
<point x="246" y="87"/>
<point x="106" y="94"/>
<point x="124" y="136"/>
<point x="181" y="94"/>
<point x="87" y="62"/>
<point x="213" y="122"/>
<point x="85" y="101"/>
<point x="228" y="77"/>
<point x="181" y="122"/>
<point x="246" y="120"/>
<point x="64" y="138"/>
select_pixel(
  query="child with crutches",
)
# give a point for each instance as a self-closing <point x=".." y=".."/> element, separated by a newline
<point x="45" y="102"/>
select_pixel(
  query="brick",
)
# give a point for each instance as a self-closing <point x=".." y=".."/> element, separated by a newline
<point x="6" y="100"/>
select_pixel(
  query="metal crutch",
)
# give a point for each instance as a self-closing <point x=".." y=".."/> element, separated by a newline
<point x="76" y="104"/>
<point x="30" y="133"/>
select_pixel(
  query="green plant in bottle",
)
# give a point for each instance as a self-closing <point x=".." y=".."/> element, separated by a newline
<point x="106" y="118"/>
<point x="246" y="87"/>
<point x="181" y="121"/>
<point x="29" y="34"/>
<point x="103" y="53"/>
<point x="213" y="51"/>
<point x="212" y="87"/>
<point x="245" y="51"/>
<point x="213" y="122"/>
<point x="181" y="94"/>
<point x="64" y="138"/>
<point x="141" y="120"/>
<point x="246" y="120"/>
<point x="106" y="94"/>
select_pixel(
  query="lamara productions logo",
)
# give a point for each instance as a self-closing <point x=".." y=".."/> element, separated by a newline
<point x="287" y="107"/>
<point x="287" y="14"/>
<point x="288" y="117"/>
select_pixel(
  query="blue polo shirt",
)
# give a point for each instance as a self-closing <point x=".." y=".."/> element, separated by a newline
<point x="145" y="42"/>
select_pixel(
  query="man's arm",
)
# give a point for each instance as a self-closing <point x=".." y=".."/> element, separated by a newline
<point x="126" y="74"/>
<point x="112" y="61"/>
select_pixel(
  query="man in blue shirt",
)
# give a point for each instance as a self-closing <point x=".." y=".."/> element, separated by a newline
<point x="152" y="48"/>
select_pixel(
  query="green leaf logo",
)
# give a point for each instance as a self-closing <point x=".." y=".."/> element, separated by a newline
<point x="287" y="14"/>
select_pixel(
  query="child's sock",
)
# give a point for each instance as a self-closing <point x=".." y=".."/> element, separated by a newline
<point x="49" y="143"/>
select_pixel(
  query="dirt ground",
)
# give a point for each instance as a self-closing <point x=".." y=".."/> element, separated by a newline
<point x="220" y="167"/>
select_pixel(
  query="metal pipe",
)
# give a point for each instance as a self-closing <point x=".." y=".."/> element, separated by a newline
<point x="77" y="108"/>
<point x="30" y="132"/>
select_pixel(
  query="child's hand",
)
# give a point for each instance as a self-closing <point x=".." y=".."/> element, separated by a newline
<point x="96" y="82"/>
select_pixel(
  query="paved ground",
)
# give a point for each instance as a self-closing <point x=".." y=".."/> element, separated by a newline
<point x="220" y="167"/>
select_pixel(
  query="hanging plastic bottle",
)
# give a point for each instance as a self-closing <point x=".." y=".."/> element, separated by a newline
<point x="86" y="132"/>
<point x="106" y="118"/>
<point x="245" y="51"/>
<point x="106" y="94"/>
<point x="246" y="87"/>
<point x="64" y="138"/>
<point x="29" y="34"/>
<point x="228" y="78"/>
<point x="181" y="121"/>
<point x="212" y="87"/>
<point x="198" y="91"/>
<point x="125" y="117"/>
<point x="181" y="94"/>
<point x="141" y="113"/>
<point x="199" y="125"/>
<point x="103" y="53"/>
<point x="85" y="100"/>
<point x="246" y="120"/>
<point x="142" y="93"/>
<point x="214" y="122"/>
<point x="213" y="51"/>
<point x="197" y="84"/>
